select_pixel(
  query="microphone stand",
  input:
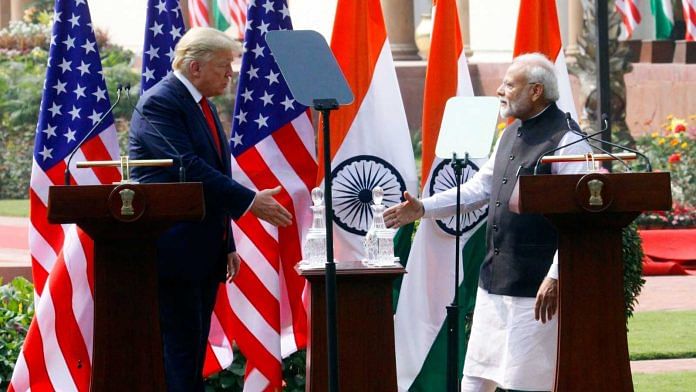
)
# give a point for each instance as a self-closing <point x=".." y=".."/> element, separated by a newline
<point x="66" y="174"/>
<point x="182" y="169"/>
<point x="453" y="310"/>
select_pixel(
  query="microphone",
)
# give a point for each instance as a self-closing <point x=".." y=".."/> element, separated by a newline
<point x="582" y="134"/>
<point x="648" y="165"/>
<point x="66" y="174"/>
<point x="582" y="138"/>
<point x="182" y="170"/>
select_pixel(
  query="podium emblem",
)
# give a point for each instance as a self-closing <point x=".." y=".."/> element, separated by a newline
<point x="443" y="178"/>
<point x="595" y="187"/>
<point x="352" y="183"/>
<point x="127" y="202"/>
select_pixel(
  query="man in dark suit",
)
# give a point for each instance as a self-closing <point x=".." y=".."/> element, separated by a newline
<point x="193" y="258"/>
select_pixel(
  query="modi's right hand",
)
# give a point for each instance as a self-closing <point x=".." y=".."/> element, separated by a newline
<point x="267" y="208"/>
<point x="404" y="212"/>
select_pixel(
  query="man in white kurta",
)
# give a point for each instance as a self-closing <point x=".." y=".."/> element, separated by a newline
<point x="513" y="337"/>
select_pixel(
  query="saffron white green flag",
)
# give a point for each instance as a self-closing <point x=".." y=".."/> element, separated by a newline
<point x="370" y="143"/>
<point x="428" y="287"/>
<point x="664" y="18"/>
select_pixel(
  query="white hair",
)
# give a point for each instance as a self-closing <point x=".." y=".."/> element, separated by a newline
<point x="539" y="69"/>
<point x="201" y="44"/>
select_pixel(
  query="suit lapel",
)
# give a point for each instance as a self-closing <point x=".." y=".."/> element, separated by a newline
<point x="192" y="107"/>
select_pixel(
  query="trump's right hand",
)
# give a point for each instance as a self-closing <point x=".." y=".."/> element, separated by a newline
<point x="405" y="212"/>
<point x="267" y="208"/>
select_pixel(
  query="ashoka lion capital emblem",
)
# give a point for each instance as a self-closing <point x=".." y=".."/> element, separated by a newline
<point x="595" y="187"/>
<point x="127" y="202"/>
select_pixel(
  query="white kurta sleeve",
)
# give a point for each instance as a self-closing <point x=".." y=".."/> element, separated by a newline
<point x="475" y="193"/>
<point x="568" y="168"/>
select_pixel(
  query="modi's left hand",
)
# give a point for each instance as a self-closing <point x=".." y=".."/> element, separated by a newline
<point x="546" y="300"/>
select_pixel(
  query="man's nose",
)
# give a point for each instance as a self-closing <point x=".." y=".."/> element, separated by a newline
<point x="500" y="91"/>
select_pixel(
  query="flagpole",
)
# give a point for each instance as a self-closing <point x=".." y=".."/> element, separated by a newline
<point x="602" y="64"/>
<point x="325" y="106"/>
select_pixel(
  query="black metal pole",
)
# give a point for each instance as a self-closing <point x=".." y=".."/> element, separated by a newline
<point x="453" y="384"/>
<point x="325" y="106"/>
<point x="602" y="65"/>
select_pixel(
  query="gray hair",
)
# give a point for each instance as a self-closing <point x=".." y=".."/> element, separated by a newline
<point x="200" y="44"/>
<point x="539" y="69"/>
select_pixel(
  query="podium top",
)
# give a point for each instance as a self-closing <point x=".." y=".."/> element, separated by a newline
<point x="592" y="192"/>
<point x="353" y="268"/>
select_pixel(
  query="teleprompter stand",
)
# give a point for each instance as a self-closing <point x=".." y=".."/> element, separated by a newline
<point x="315" y="80"/>
<point x="466" y="131"/>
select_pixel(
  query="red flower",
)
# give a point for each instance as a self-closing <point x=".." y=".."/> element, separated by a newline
<point x="674" y="158"/>
<point x="679" y="128"/>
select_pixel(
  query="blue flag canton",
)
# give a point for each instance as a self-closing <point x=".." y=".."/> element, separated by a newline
<point x="74" y="96"/>
<point x="163" y="29"/>
<point x="264" y="102"/>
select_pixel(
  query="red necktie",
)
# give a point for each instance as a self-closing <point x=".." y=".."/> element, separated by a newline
<point x="208" y="113"/>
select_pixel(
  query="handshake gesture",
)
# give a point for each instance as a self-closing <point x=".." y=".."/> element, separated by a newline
<point x="267" y="208"/>
<point x="404" y="212"/>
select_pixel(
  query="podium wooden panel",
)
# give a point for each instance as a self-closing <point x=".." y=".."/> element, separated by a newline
<point x="592" y="346"/>
<point x="127" y="348"/>
<point x="365" y="328"/>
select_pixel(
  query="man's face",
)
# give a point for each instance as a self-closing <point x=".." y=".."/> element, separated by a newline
<point x="515" y="94"/>
<point x="212" y="77"/>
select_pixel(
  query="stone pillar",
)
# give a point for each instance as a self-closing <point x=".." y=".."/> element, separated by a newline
<point x="17" y="9"/>
<point x="463" y="7"/>
<point x="575" y="15"/>
<point x="4" y="13"/>
<point x="398" y="16"/>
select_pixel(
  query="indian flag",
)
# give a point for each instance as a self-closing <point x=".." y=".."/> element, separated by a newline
<point x="664" y="18"/>
<point x="538" y="31"/>
<point x="428" y="287"/>
<point x="370" y="143"/>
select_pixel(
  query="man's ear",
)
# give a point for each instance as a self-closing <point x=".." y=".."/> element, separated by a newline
<point x="537" y="91"/>
<point x="194" y="68"/>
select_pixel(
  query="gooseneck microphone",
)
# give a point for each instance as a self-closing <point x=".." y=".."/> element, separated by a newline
<point x="182" y="169"/>
<point x="591" y="136"/>
<point x="66" y="175"/>
<point x="648" y="165"/>
<point x="580" y="133"/>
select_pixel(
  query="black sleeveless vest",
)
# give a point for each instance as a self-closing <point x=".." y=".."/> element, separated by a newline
<point x="520" y="247"/>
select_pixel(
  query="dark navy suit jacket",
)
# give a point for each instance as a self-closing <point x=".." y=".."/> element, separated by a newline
<point x="188" y="251"/>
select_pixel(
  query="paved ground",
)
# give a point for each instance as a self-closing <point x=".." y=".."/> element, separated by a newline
<point x="659" y="292"/>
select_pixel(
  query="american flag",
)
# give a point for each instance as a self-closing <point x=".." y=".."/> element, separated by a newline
<point x="198" y="13"/>
<point x="57" y="351"/>
<point x="272" y="144"/>
<point x="630" y="15"/>
<point x="163" y="29"/>
<point x="690" y="19"/>
<point x="231" y="14"/>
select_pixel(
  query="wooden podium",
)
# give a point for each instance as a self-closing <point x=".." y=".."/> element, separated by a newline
<point x="365" y="328"/>
<point x="124" y="221"/>
<point x="589" y="212"/>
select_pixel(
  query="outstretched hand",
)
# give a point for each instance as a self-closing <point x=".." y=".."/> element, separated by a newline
<point x="404" y="212"/>
<point x="267" y="208"/>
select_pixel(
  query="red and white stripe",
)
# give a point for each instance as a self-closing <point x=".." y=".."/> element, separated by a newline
<point x="690" y="19"/>
<point x="630" y="15"/>
<point x="198" y="13"/>
<point x="57" y="352"/>
<point x="538" y="31"/>
<point x="235" y="12"/>
<point x="263" y="309"/>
